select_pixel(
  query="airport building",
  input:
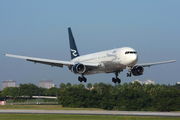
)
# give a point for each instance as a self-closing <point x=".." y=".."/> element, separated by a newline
<point x="46" y="84"/>
<point x="138" y="81"/>
<point x="149" y="82"/>
<point x="145" y="82"/>
<point x="8" y="83"/>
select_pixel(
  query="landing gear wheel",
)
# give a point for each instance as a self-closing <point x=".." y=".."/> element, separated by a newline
<point x="113" y="80"/>
<point x="118" y="80"/>
<point x="82" y="79"/>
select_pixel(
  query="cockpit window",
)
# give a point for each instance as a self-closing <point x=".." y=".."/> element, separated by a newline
<point x="130" y="52"/>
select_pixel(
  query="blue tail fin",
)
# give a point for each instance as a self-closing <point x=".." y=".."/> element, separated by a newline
<point x="73" y="48"/>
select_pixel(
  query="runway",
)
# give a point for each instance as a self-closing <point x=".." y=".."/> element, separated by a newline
<point x="86" y="112"/>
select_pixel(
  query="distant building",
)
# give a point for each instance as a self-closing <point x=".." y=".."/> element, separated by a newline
<point x="90" y="88"/>
<point x="138" y="81"/>
<point x="8" y="83"/>
<point x="149" y="82"/>
<point x="145" y="82"/>
<point x="46" y="84"/>
<point x="178" y="82"/>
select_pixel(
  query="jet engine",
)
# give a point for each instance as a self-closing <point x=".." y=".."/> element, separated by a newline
<point x="79" y="68"/>
<point x="137" y="70"/>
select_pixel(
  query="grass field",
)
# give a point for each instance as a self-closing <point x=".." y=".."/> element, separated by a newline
<point x="66" y="117"/>
<point x="42" y="107"/>
<point x="77" y="117"/>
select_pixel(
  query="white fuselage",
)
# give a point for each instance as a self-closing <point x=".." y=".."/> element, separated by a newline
<point x="110" y="60"/>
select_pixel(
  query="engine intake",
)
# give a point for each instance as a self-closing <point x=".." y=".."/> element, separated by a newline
<point x="137" y="70"/>
<point x="79" y="68"/>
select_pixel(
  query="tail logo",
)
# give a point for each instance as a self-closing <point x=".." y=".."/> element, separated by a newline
<point x="74" y="52"/>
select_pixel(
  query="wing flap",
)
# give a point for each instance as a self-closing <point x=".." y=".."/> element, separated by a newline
<point x="155" y="63"/>
<point x="46" y="63"/>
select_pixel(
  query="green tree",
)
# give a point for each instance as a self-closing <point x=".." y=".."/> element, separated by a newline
<point x="125" y="85"/>
<point x="28" y="90"/>
<point x="157" y="87"/>
<point x="149" y="88"/>
<point x="108" y="101"/>
<point x="119" y="87"/>
<point x="130" y="97"/>
<point x="11" y="91"/>
<point x="1" y="97"/>
<point x="93" y="99"/>
<point x="177" y="86"/>
<point x="68" y="85"/>
<point x="130" y="86"/>
<point x="101" y="87"/>
<point x="137" y="86"/>
<point x="96" y="87"/>
<point x="51" y="92"/>
<point x="73" y="97"/>
<point x="6" y="92"/>
<point x="89" y="86"/>
<point x="62" y="86"/>
<point x="81" y="86"/>
<point x="107" y="89"/>
<point x="163" y="87"/>
<point x="75" y="86"/>
<point x="167" y="100"/>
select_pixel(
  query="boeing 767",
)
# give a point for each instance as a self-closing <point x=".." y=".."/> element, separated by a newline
<point x="109" y="61"/>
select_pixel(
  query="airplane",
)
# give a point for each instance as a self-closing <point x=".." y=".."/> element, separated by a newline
<point x="109" y="61"/>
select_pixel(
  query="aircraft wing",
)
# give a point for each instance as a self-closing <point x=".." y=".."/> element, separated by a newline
<point x="57" y="63"/>
<point x="155" y="63"/>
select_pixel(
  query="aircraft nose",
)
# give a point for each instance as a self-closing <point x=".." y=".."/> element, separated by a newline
<point x="134" y="59"/>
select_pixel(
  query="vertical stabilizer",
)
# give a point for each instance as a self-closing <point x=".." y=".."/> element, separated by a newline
<point x="73" y="48"/>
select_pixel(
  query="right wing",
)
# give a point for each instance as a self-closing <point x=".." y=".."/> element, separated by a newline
<point x="155" y="63"/>
<point x="57" y="63"/>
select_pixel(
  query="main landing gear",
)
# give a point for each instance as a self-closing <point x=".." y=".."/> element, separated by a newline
<point x="116" y="79"/>
<point x="82" y="78"/>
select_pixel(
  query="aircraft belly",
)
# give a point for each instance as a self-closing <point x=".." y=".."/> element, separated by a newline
<point x="113" y="65"/>
<point x="107" y="68"/>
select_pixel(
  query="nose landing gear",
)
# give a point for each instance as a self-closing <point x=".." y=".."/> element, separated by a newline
<point x="129" y="72"/>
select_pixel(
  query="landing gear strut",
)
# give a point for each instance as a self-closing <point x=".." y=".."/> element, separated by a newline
<point x="116" y="79"/>
<point x="82" y="78"/>
<point x="129" y="72"/>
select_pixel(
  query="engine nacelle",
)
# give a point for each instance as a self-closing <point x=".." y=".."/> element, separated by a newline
<point x="78" y="68"/>
<point x="137" y="70"/>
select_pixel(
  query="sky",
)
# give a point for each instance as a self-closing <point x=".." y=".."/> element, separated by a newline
<point x="39" y="29"/>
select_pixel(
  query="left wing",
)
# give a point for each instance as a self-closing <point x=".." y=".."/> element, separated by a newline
<point x="155" y="63"/>
<point x="57" y="63"/>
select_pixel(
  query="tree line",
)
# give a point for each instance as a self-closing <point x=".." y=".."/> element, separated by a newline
<point x="128" y="96"/>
